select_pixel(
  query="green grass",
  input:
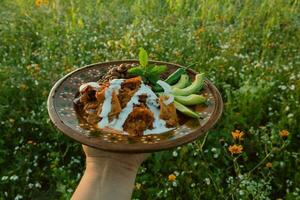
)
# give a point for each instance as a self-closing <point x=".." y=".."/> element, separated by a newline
<point x="249" y="49"/>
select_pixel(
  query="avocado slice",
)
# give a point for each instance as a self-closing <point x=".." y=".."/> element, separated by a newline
<point x="183" y="81"/>
<point x="192" y="99"/>
<point x="193" y="88"/>
<point x="185" y="110"/>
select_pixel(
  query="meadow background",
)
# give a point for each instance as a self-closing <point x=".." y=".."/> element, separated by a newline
<point x="249" y="49"/>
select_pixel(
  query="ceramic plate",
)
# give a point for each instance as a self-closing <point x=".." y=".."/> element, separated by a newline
<point x="67" y="119"/>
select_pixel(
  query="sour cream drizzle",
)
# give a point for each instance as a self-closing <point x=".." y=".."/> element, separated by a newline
<point x="114" y="85"/>
<point x="92" y="84"/>
<point x="159" y="125"/>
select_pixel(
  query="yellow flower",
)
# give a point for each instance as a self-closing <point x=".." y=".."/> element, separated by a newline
<point x="38" y="3"/>
<point x="23" y="87"/>
<point x="171" y="177"/>
<point x="237" y="135"/>
<point x="201" y="29"/>
<point x="138" y="186"/>
<point x="269" y="165"/>
<point x="235" y="149"/>
<point x="284" y="133"/>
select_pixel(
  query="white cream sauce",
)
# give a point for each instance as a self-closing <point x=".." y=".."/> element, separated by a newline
<point x="114" y="85"/>
<point x="94" y="85"/>
<point x="159" y="125"/>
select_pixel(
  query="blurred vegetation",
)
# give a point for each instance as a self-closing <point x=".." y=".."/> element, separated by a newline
<point x="249" y="49"/>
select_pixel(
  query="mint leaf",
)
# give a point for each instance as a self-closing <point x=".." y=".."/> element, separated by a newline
<point x="136" y="71"/>
<point x="143" y="57"/>
<point x="158" y="69"/>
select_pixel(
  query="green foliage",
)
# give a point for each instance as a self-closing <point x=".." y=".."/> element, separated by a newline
<point x="143" y="58"/>
<point x="249" y="49"/>
<point x="149" y="73"/>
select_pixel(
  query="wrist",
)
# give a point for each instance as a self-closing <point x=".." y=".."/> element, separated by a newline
<point x="99" y="165"/>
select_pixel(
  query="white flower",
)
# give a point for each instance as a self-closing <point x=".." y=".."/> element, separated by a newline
<point x="174" y="183"/>
<point x="30" y="185"/>
<point x="292" y="87"/>
<point x="18" y="197"/>
<point x="287" y="108"/>
<point x="4" y="178"/>
<point x="193" y="185"/>
<point x="28" y="171"/>
<point x="207" y="181"/>
<point x="14" y="177"/>
<point x="225" y="46"/>
<point x="241" y="192"/>
<point x="175" y="154"/>
<point x="38" y="185"/>
<point x="70" y="190"/>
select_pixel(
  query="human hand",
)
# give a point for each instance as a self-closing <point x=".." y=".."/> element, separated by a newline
<point x="108" y="175"/>
<point x="125" y="160"/>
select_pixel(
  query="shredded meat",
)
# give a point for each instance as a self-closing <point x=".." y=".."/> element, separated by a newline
<point x="88" y="95"/>
<point x="168" y="112"/>
<point x="115" y="105"/>
<point x="127" y="90"/>
<point x="140" y="119"/>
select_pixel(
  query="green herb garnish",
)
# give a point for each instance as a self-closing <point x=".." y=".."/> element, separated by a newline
<point x="149" y="73"/>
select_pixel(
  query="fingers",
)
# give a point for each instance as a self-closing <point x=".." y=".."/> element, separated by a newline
<point x="93" y="153"/>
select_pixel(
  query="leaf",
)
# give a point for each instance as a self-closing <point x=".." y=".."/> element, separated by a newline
<point x="158" y="69"/>
<point x="136" y="71"/>
<point x="152" y="78"/>
<point x="143" y="57"/>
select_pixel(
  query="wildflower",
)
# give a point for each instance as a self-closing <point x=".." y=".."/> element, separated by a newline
<point x="46" y="2"/>
<point x="38" y="3"/>
<point x="70" y="190"/>
<point x="138" y="186"/>
<point x="29" y="142"/>
<point x="37" y="185"/>
<point x="207" y="181"/>
<point x="23" y="87"/>
<point x="171" y="177"/>
<point x="18" y="197"/>
<point x="269" y="165"/>
<point x="175" y="154"/>
<point x="174" y="184"/>
<point x="237" y="135"/>
<point x="235" y="149"/>
<point x="14" y="177"/>
<point x="201" y="29"/>
<point x="11" y="120"/>
<point x="284" y="133"/>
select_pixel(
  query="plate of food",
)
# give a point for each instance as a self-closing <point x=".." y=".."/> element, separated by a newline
<point x="134" y="106"/>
